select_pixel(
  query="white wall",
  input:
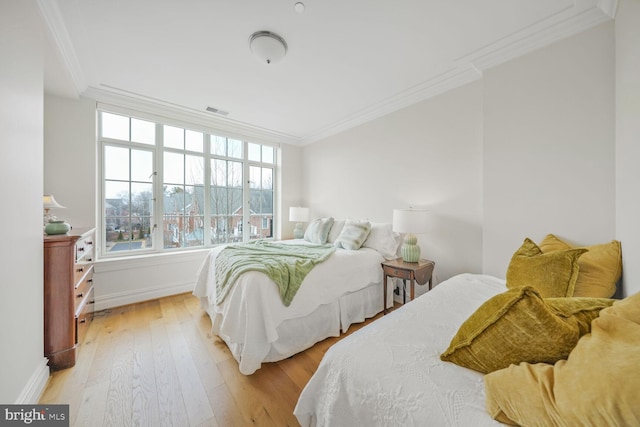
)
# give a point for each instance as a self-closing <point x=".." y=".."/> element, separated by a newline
<point x="70" y="158"/>
<point x="290" y="186"/>
<point x="526" y="151"/>
<point x="23" y="369"/>
<point x="628" y="140"/>
<point x="427" y="155"/>
<point x="548" y="135"/>
<point x="126" y="281"/>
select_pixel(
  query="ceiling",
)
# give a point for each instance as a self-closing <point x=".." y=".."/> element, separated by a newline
<point x="347" y="61"/>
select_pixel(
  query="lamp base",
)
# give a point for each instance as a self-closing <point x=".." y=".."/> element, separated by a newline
<point x="410" y="250"/>
<point x="298" y="232"/>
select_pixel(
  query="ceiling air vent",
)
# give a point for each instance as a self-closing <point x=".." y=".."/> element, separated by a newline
<point x="217" y="111"/>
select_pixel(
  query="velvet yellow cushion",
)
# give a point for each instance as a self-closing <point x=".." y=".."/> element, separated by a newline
<point x="600" y="268"/>
<point x="598" y="385"/>
<point x="578" y="311"/>
<point x="520" y="326"/>
<point x="553" y="274"/>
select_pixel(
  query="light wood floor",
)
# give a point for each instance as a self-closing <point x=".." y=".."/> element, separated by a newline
<point x="157" y="364"/>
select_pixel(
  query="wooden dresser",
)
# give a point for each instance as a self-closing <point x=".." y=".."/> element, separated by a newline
<point x="68" y="294"/>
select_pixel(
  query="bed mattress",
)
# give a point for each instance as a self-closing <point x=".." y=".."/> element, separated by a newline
<point x="258" y="327"/>
<point x="389" y="373"/>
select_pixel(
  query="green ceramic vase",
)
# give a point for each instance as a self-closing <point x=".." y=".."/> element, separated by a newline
<point x="57" y="227"/>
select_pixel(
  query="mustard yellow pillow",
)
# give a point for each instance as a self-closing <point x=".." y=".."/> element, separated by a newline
<point x="520" y="326"/>
<point x="578" y="311"/>
<point x="600" y="268"/>
<point x="553" y="274"/>
<point x="598" y="385"/>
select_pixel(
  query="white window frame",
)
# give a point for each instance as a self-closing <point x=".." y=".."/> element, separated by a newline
<point x="158" y="151"/>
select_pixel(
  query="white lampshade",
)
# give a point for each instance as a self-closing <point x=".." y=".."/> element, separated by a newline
<point x="267" y="46"/>
<point x="414" y="221"/>
<point x="48" y="202"/>
<point x="298" y="214"/>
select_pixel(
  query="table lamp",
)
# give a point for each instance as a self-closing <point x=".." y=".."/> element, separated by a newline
<point x="410" y="222"/>
<point x="299" y="215"/>
<point x="51" y="224"/>
<point x="49" y="202"/>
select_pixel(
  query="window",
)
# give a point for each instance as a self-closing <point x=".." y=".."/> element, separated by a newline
<point x="169" y="187"/>
<point x="261" y="190"/>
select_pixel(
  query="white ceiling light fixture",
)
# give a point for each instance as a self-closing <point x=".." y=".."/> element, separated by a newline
<point x="267" y="46"/>
<point x="299" y="7"/>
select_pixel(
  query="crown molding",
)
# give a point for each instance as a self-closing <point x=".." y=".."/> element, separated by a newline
<point x="58" y="32"/>
<point x="229" y="127"/>
<point x="543" y="33"/>
<point x="444" y="82"/>
<point x="578" y="17"/>
<point x="609" y="7"/>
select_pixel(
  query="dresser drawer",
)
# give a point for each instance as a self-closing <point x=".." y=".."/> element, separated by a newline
<point x="84" y="316"/>
<point x="80" y="269"/>
<point x="84" y="249"/>
<point x="83" y="287"/>
<point x="396" y="272"/>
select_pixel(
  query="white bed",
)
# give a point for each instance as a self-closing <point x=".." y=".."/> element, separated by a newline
<point x="390" y="373"/>
<point x="258" y="327"/>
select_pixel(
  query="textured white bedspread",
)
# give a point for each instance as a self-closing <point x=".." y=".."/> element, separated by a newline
<point x="390" y="373"/>
<point x="249" y="316"/>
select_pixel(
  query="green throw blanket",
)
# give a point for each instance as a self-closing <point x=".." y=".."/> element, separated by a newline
<point x="287" y="265"/>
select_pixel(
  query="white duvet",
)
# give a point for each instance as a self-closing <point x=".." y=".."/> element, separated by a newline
<point x="249" y="317"/>
<point x="390" y="373"/>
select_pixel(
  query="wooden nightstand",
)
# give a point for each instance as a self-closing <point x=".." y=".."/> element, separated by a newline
<point x="420" y="272"/>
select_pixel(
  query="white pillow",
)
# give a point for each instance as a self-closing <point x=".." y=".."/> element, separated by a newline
<point x="353" y="234"/>
<point x="318" y="230"/>
<point x="335" y="231"/>
<point x="383" y="239"/>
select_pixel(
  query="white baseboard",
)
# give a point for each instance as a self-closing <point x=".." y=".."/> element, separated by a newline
<point x="35" y="387"/>
<point x="139" y="295"/>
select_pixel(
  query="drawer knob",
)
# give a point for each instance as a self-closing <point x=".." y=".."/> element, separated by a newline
<point x="80" y="295"/>
<point x="89" y="243"/>
<point x="80" y="270"/>
<point x="81" y="249"/>
<point x="83" y="320"/>
<point x="89" y="280"/>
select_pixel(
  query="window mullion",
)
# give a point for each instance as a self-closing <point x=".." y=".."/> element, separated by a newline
<point x="185" y="218"/>
<point x="129" y="215"/>
<point x="158" y="184"/>
<point x="246" y="200"/>
<point x="206" y="209"/>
